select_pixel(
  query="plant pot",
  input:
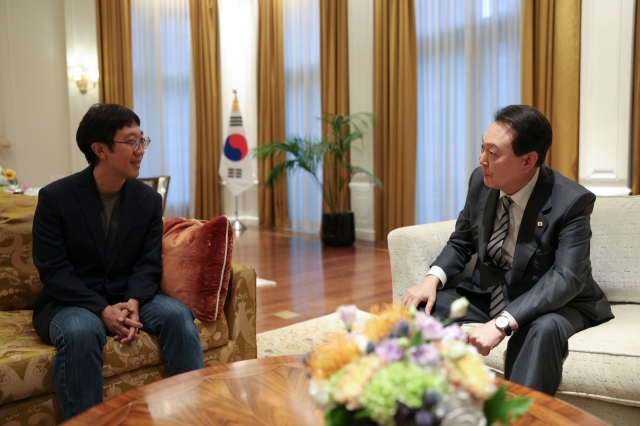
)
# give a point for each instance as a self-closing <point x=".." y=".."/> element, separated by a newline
<point x="338" y="229"/>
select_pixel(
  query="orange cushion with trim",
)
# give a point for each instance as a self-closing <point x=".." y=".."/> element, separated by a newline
<point x="196" y="263"/>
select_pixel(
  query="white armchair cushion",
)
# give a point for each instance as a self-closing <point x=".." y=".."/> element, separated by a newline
<point x="603" y="362"/>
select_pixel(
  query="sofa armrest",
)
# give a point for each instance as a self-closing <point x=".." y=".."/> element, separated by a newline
<point x="413" y="249"/>
<point x="240" y="310"/>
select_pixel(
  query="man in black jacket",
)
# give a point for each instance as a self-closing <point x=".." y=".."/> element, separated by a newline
<point x="530" y="228"/>
<point x="97" y="243"/>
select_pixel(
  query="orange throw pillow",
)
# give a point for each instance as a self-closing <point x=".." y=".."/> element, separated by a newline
<point x="196" y="263"/>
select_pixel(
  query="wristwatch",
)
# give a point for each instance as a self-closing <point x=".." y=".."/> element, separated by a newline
<point x="502" y="323"/>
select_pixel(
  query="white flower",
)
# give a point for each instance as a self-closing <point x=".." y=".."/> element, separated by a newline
<point x="347" y="313"/>
<point x="459" y="308"/>
<point x="457" y="350"/>
<point x="362" y="343"/>
<point x="318" y="391"/>
<point x="464" y="416"/>
<point x="460" y="409"/>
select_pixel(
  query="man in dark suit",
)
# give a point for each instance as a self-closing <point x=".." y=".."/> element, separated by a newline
<point x="97" y="242"/>
<point x="529" y="227"/>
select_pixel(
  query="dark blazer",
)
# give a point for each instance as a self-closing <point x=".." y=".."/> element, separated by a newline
<point x="70" y="248"/>
<point x="551" y="266"/>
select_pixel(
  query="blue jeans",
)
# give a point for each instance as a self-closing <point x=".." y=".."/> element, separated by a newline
<point x="79" y="337"/>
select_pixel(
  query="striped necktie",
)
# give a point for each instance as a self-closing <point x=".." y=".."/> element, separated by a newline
<point x="495" y="251"/>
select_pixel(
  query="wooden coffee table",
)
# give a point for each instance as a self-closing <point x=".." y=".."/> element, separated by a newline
<point x="268" y="391"/>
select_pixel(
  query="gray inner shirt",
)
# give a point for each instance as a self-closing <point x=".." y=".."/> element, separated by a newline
<point x="110" y="215"/>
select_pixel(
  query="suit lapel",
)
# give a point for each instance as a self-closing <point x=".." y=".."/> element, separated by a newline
<point x="128" y="207"/>
<point x="535" y="221"/>
<point x="89" y="201"/>
<point x="486" y="224"/>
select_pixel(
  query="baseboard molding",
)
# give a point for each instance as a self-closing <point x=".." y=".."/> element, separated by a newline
<point x="246" y="220"/>
<point x="365" y="234"/>
<point x="361" y="234"/>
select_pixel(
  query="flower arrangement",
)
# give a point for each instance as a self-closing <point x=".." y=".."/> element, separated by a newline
<point x="406" y="368"/>
<point x="10" y="175"/>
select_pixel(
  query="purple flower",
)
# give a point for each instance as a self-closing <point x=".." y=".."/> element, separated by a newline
<point x="424" y="355"/>
<point x="452" y="332"/>
<point x="347" y="313"/>
<point x="389" y="350"/>
<point x="430" y="327"/>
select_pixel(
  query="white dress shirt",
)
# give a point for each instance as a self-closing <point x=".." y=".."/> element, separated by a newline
<point x="520" y="200"/>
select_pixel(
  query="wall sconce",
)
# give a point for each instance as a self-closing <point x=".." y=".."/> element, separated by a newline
<point x="83" y="77"/>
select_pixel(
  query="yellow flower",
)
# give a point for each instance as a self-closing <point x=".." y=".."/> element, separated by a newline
<point x="467" y="372"/>
<point x="9" y="174"/>
<point x="356" y="376"/>
<point x="384" y="320"/>
<point x="331" y="356"/>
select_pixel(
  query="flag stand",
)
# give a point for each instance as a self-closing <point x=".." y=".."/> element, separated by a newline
<point x="237" y="226"/>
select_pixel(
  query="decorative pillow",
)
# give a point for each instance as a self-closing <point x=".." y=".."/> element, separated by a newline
<point x="19" y="279"/>
<point x="196" y="263"/>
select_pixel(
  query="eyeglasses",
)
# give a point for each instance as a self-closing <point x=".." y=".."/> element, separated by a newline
<point x="136" y="143"/>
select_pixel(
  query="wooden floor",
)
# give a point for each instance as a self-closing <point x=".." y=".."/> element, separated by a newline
<point x="312" y="280"/>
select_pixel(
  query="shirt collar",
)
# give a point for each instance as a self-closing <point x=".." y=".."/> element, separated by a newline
<point x="521" y="198"/>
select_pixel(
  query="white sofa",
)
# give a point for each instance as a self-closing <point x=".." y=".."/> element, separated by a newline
<point x="602" y="371"/>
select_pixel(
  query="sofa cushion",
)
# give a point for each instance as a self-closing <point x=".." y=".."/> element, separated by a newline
<point x="615" y="227"/>
<point x="26" y="364"/>
<point x="19" y="279"/>
<point x="196" y="263"/>
<point x="119" y="358"/>
<point x="123" y="382"/>
<point x="603" y="361"/>
<point x="39" y="410"/>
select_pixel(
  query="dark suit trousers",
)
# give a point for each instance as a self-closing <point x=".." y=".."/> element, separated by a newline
<point x="535" y="351"/>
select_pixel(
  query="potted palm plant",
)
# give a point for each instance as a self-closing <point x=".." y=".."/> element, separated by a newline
<point x="338" y="225"/>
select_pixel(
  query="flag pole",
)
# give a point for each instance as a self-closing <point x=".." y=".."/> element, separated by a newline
<point x="235" y="167"/>
<point x="236" y="224"/>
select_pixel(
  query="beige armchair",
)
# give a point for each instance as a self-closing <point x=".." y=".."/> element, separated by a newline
<point x="602" y="371"/>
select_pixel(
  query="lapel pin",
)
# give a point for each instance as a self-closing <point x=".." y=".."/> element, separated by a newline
<point x="539" y="224"/>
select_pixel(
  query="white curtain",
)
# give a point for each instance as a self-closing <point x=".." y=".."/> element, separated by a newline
<point x="238" y="26"/>
<point x="468" y="67"/>
<point x="302" y="104"/>
<point x="161" y="38"/>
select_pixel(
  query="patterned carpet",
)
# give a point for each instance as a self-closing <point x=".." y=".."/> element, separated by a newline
<point x="300" y="338"/>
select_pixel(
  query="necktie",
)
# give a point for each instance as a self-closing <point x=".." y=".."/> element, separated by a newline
<point x="495" y="251"/>
<point x="499" y="234"/>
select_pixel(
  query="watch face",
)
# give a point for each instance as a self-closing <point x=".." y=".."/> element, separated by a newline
<point x="502" y="322"/>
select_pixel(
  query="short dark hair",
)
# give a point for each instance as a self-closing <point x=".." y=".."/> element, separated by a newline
<point x="532" y="130"/>
<point x="100" y="124"/>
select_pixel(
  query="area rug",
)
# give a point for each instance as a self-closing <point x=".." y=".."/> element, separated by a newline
<point x="301" y="338"/>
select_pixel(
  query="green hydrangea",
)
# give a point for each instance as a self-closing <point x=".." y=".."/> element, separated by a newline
<point x="333" y="383"/>
<point x="402" y="381"/>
